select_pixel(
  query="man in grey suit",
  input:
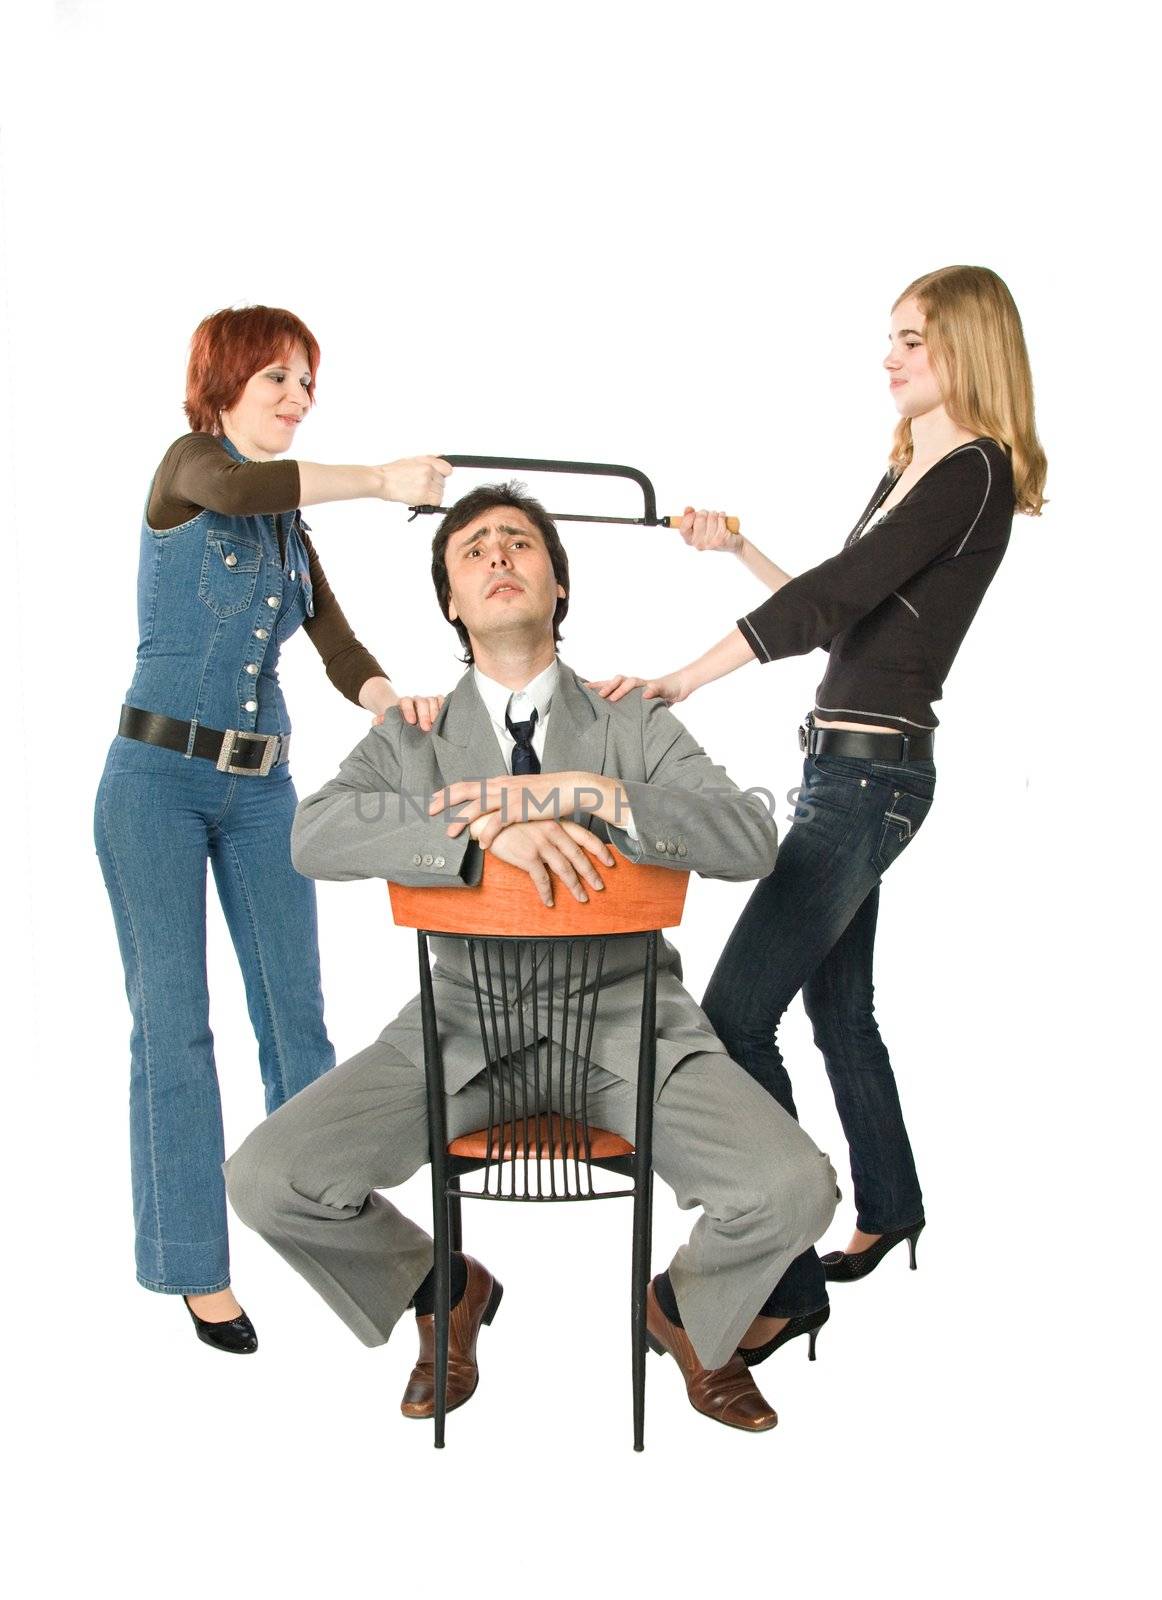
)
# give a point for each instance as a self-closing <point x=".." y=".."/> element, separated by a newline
<point x="525" y="761"/>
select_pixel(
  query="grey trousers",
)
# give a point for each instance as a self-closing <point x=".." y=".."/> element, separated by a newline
<point x="305" y="1180"/>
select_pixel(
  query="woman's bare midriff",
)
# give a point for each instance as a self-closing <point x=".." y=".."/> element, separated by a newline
<point x="856" y="727"/>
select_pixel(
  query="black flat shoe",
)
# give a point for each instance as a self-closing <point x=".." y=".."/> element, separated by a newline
<point x="236" y="1337"/>
<point x="810" y="1322"/>
<point x="839" y="1267"/>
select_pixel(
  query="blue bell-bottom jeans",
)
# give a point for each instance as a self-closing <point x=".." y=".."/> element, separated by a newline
<point x="811" y="926"/>
<point x="159" y="818"/>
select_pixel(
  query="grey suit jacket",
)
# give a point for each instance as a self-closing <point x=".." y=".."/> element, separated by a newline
<point x="371" y="821"/>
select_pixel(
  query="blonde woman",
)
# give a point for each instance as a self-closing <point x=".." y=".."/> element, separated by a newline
<point x="892" y="608"/>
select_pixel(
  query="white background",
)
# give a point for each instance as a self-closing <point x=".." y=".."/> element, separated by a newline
<point x="668" y="235"/>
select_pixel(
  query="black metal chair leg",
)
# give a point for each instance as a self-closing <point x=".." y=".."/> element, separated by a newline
<point x="437" y="1144"/>
<point x="456" y="1223"/>
<point x="640" y="1279"/>
<point x="443" y="1264"/>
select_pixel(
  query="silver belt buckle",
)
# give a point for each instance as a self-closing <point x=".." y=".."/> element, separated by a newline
<point x="225" y="762"/>
<point x="803" y="738"/>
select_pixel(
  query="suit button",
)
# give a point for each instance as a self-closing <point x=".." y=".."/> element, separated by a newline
<point x="417" y="861"/>
<point x="251" y="668"/>
<point x="250" y="705"/>
<point x="660" y="846"/>
<point x="439" y="862"/>
<point x="272" y="600"/>
<point x="428" y="861"/>
<point x="682" y="850"/>
<point x="672" y="848"/>
<point x="231" y="560"/>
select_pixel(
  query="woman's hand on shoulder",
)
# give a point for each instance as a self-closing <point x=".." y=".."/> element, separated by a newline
<point x="378" y="696"/>
<point x="671" y="688"/>
<point x="416" y="481"/>
<point x="615" y="688"/>
<point x="707" y="530"/>
<point x="419" y="708"/>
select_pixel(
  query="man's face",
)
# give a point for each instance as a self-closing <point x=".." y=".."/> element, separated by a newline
<point x="501" y="577"/>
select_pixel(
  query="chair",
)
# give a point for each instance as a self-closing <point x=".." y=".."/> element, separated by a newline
<point x="536" y="974"/>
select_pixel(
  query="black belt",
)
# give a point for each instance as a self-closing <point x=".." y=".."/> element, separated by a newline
<point x="896" y="747"/>
<point x="243" y="754"/>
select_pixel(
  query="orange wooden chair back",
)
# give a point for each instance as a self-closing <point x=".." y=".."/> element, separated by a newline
<point x="505" y="904"/>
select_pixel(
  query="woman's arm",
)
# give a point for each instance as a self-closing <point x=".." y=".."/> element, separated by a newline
<point x="762" y="566"/>
<point x="417" y="481"/>
<point x="378" y="695"/>
<point x="702" y="530"/>
<point x="197" y="474"/>
<point x="726" y="656"/>
<point x="804" y="613"/>
<point x="707" y="530"/>
<point x="932" y="523"/>
<point x="350" y="666"/>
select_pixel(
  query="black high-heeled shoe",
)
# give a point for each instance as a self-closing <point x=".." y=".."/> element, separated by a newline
<point x="810" y="1323"/>
<point x="839" y="1267"/>
<point x="237" y="1337"/>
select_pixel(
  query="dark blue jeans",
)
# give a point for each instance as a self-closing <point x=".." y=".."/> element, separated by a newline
<point x="811" y="925"/>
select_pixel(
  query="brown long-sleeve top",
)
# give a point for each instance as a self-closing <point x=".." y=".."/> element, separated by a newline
<point x="196" y="474"/>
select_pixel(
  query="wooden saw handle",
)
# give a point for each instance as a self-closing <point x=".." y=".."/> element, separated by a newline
<point x="732" y="523"/>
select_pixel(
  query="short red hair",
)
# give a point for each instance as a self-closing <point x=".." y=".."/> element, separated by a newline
<point x="229" y="347"/>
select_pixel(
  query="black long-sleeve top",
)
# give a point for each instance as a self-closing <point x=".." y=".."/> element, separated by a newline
<point x="894" y="604"/>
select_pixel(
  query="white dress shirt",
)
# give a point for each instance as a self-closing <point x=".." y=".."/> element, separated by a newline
<point x="535" y="696"/>
<point x="520" y="704"/>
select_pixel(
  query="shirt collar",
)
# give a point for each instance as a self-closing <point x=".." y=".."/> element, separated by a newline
<point x="539" y="694"/>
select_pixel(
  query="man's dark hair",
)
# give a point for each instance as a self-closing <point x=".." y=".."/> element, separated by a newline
<point x="487" y="498"/>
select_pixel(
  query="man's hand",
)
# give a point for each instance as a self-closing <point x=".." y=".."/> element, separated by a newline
<point x="543" y="849"/>
<point x="417" y="481"/>
<point x="508" y="800"/>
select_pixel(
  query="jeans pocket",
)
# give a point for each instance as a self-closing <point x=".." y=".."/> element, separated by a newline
<point x="851" y="767"/>
<point x="229" y="573"/>
<point x="902" y="819"/>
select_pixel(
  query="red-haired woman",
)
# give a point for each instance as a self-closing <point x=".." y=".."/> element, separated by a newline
<point x="198" y="771"/>
<point x="892" y="608"/>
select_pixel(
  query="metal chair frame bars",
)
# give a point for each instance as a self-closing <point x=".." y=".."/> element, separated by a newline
<point x="539" y="1145"/>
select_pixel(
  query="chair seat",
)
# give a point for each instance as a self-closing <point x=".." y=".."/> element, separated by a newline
<point x="547" y="1137"/>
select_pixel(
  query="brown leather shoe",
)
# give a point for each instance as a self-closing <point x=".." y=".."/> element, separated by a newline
<point x="727" y="1394"/>
<point x="477" y="1304"/>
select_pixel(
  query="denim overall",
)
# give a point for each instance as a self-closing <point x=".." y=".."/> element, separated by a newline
<point x="216" y="600"/>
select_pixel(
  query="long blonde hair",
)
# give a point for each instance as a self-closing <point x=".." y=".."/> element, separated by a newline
<point x="977" y="348"/>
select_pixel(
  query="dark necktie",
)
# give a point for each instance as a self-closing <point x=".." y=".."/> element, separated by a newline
<point x="524" y="757"/>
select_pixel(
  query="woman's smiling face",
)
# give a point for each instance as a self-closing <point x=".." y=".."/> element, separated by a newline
<point x="914" y="386"/>
<point x="263" y="420"/>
